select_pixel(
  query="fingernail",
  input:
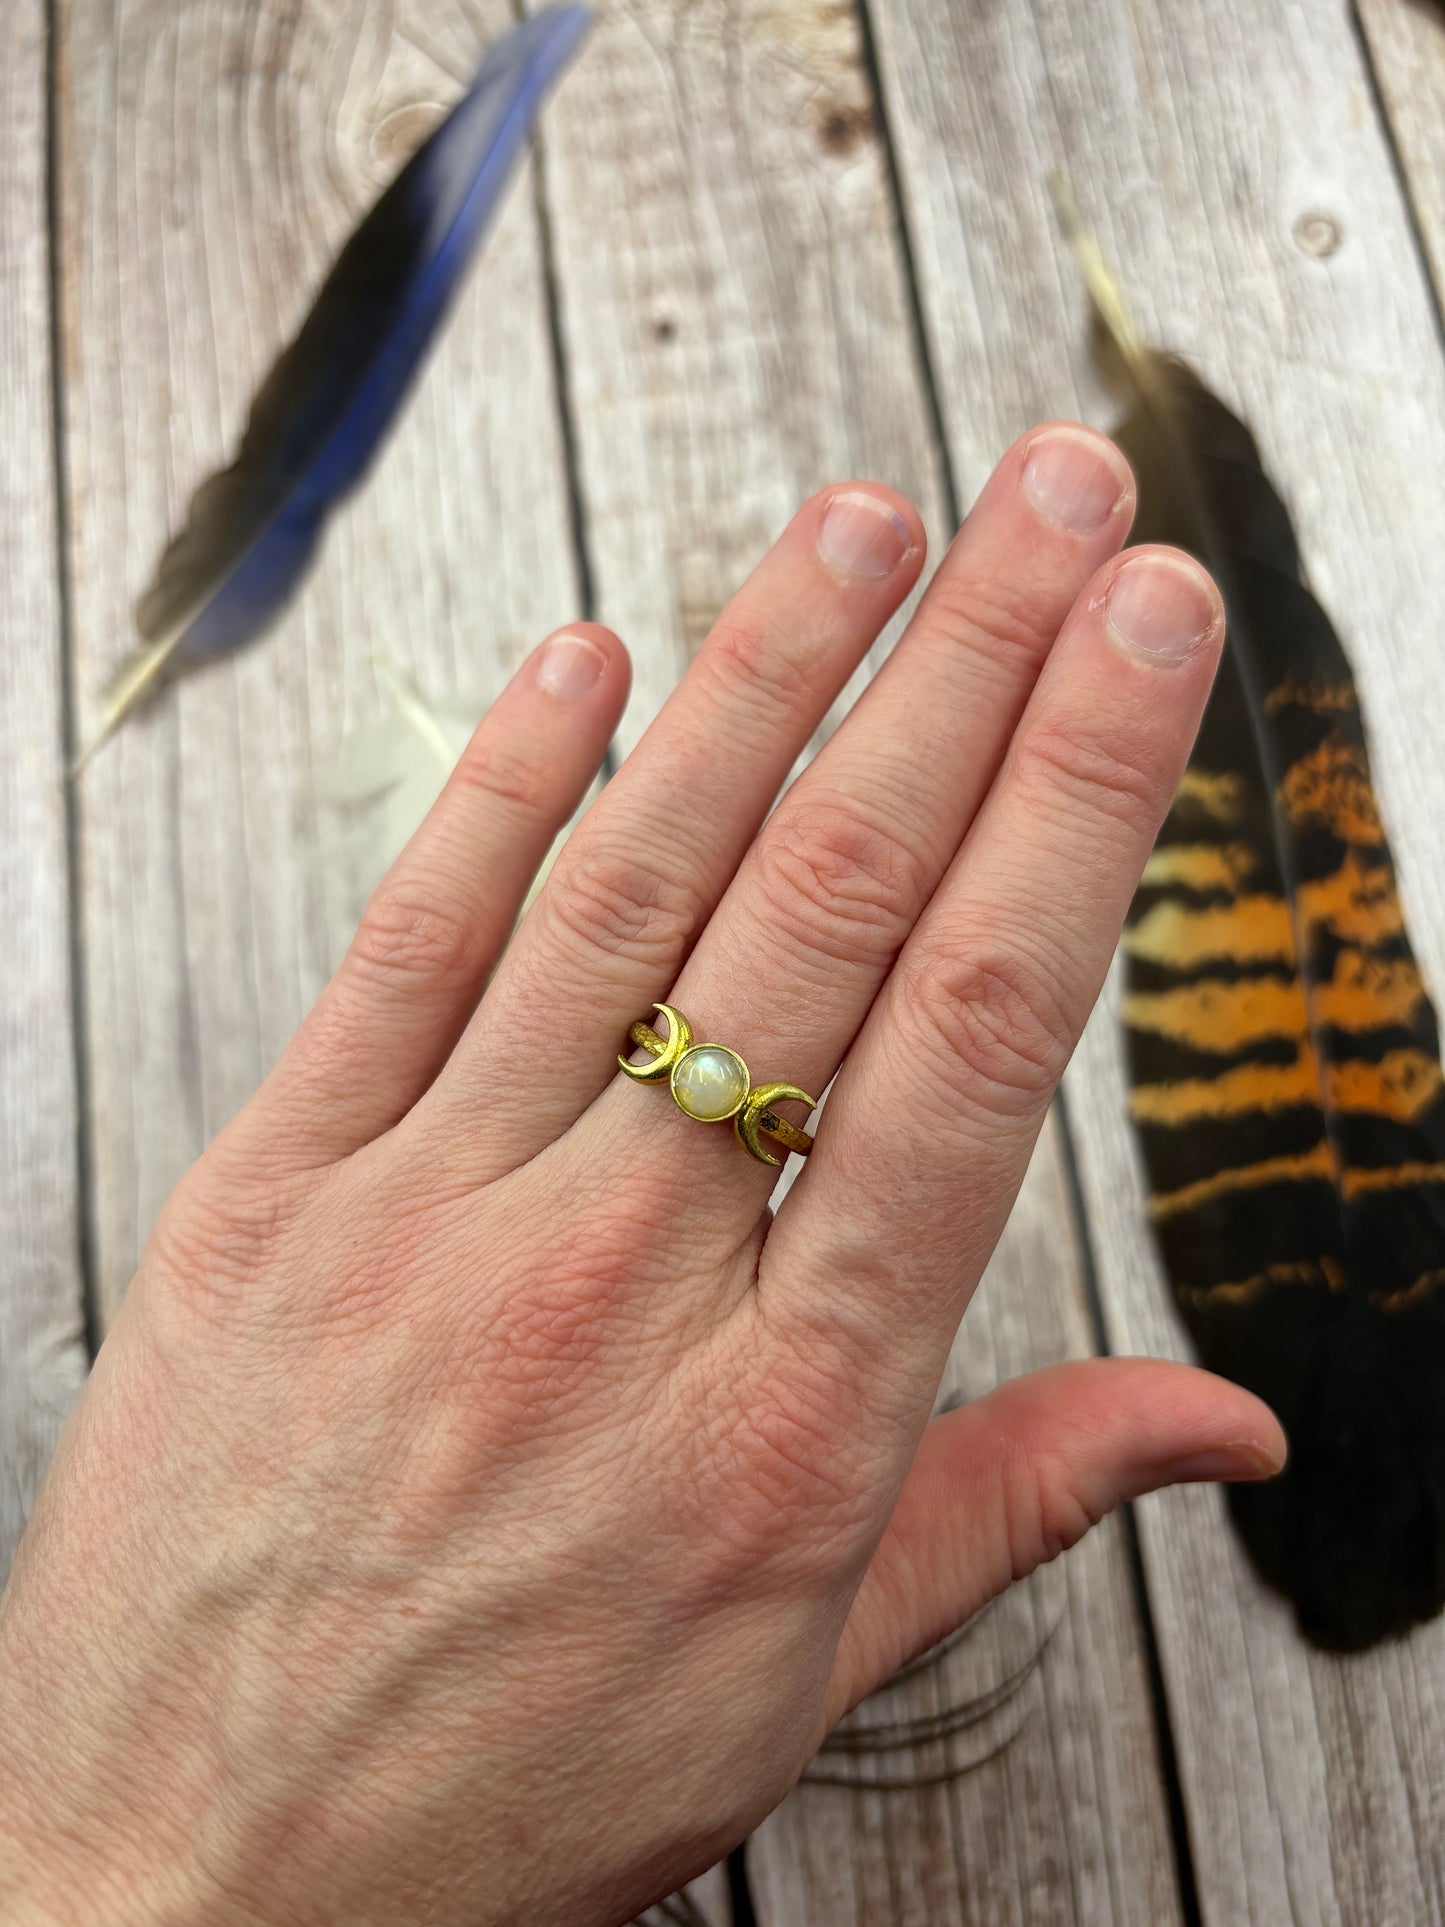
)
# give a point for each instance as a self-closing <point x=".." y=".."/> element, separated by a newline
<point x="1162" y="606"/>
<point x="1073" y="481"/>
<point x="570" y="666"/>
<point x="861" y="535"/>
<point x="1242" y="1460"/>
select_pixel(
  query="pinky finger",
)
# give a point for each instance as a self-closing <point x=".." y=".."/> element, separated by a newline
<point x="388" y="1020"/>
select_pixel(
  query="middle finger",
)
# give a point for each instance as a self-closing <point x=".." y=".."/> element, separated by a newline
<point x="789" y="965"/>
<point x="642" y="873"/>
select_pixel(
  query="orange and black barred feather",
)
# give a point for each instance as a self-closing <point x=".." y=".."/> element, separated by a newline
<point x="1285" y="1061"/>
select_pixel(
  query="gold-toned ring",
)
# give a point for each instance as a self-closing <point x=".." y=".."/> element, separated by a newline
<point x="710" y="1084"/>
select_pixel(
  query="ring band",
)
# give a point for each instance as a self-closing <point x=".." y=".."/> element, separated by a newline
<point x="710" y="1084"/>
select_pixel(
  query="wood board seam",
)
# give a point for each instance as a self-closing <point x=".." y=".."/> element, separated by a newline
<point x="1166" y="1749"/>
<point x="561" y="376"/>
<point x="1380" y="108"/>
<point x="922" y="348"/>
<point x="68" y="695"/>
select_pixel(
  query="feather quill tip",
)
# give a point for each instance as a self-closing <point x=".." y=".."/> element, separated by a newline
<point x="1111" y="309"/>
<point x="137" y="677"/>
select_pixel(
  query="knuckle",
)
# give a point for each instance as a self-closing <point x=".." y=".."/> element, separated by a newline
<point x="995" y="1028"/>
<point x="403" y="936"/>
<point x="750" y="653"/>
<point x="847" y="884"/>
<point x="624" y="906"/>
<point x="535" y="1342"/>
<point x="560" y="1319"/>
<point x="215" y="1236"/>
<point x="497" y="774"/>
<point x="791" y="1476"/>
<point x="1043" y="1515"/>
<point x="1000" y="625"/>
<point x="1096" y="777"/>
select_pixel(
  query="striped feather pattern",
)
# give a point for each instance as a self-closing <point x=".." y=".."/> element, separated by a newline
<point x="1285" y="1062"/>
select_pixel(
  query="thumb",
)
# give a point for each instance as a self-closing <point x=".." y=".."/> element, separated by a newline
<point x="1012" y="1480"/>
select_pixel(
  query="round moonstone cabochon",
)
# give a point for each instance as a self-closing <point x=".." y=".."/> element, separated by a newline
<point x="710" y="1083"/>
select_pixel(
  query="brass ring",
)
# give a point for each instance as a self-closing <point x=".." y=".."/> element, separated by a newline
<point x="710" y="1084"/>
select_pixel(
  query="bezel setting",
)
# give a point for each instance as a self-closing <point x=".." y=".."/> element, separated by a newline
<point x="718" y="1050"/>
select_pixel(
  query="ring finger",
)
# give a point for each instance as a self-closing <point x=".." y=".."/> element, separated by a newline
<point x="827" y="896"/>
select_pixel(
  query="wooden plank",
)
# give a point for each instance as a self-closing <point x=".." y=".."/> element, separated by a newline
<point x="721" y="215"/>
<point x="1406" y="43"/>
<point x="737" y="327"/>
<point x="215" y="157"/>
<point x="702" y="1903"/>
<point x="1213" y="145"/>
<point x="42" y="1353"/>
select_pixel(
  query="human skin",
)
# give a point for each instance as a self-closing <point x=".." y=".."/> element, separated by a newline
<point x="483" y="1505"/>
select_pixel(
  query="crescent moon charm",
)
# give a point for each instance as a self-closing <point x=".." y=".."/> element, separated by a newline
<point x="679" y="1039"/>
<point x="757" y="1111"/>
<point x="711" y="1084"/>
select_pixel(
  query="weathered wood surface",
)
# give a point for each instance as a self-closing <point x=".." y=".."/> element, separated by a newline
<point x="42" y="1355"/>
<point x="1405" y="40"/>
<point x="214" y="158"/>
<point x="703" y="1903"/>
<point x="1231" y="156"/>
<point x="734" y="310"/>
<point x="736" y="327"/>
<point x="737" y="332"/>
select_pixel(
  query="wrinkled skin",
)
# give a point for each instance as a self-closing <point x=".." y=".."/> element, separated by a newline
<point x="483" y="1506"/>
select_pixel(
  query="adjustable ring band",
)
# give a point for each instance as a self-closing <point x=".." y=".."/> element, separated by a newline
<point x="710" y="1084"/>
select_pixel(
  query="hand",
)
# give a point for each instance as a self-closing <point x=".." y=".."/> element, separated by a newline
<point x="482" y="1506"/>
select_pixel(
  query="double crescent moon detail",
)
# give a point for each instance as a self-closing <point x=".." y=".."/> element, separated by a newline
<point x="749" y="1120"/>
<point x="657" y="1070"/>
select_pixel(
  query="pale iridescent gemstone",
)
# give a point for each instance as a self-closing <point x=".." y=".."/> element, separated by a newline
<point x="710" y="1083"/>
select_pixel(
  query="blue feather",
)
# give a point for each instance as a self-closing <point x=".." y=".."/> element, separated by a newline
<point x="319" y="417"/>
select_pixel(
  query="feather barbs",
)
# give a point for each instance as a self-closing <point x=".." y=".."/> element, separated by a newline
<point x="1286" y="1085"/>
<point x="320" y="415"/>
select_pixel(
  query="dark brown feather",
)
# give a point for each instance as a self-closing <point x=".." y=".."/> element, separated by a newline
<point x="1284" y="1055"/>
<point x="1285" y="1061"/>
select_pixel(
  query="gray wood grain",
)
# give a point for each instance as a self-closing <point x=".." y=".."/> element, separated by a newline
<point x="737" y="330"/>
<point x="735" y="316"/>
<point x="1406" y="44"/>
<point x="702" y="1903"/>
<point x="42" y="1354"/>
<point x="1214" y="145"/>
<point x="215" y="158"/>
